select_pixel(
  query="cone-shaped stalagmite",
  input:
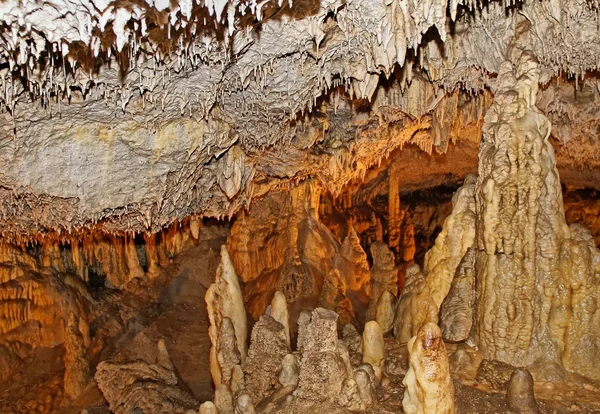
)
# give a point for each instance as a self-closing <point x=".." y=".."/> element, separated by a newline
<point x="373" y="347"/>
<point x="279" y="312"/>
<point x="224" y="300"/>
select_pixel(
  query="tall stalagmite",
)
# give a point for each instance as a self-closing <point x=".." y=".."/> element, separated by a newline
<point x="536" y="278"/>
<point x="224" y="300"/>
<point x="527" y="307"/>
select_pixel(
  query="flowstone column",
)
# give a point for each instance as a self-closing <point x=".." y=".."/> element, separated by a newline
<point x="523" y="312"/>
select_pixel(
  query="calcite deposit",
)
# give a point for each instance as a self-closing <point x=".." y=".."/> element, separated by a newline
<point x="428" y="383"/>
<point x="244" y="206"/>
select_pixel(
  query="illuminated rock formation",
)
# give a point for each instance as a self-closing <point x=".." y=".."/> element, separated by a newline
<point x="36" y="303"/>
<point x="333" y="297"/>
<point x="385" y="312"/>
<point x="352" y="263"/>
<point x="268" y="347"/>
<point x="322" y="367"/>
<point x="524" y="300"/>
<point x="428" y="383"/>
<point x="279" y="312"/>
<point x="141" y="386"/>
<point x="224" y="300"/>
<point x="384" y="276"/>
<point x="373" y="347"/>
<point x="456" y="312"/>
<point x="458" y="234"/>
<point x="415" y="306"/>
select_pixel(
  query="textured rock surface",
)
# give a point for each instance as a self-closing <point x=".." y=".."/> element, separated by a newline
<point x="428" y="383"/>
<point x="322" y="368"/>
<point x="456" y="312"/>
<point x="415" y="306"/>
<point x="333" y="297"/>
<point x="141" y="386"/>
<point x="224" y="300"/>
<point x="517" y="316"/>
<point x="268" y="347"/>
<point x="77" y="365"/>
<point x="519" y="395"/>
<point x="384" y="276"/>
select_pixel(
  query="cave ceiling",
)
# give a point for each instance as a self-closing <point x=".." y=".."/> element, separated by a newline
<point x="129" y="115"/>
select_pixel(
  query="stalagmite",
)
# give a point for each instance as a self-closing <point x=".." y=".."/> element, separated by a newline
<point x="279" y="312"/>
<point x="244" y="405"/>
<point x="415" y="306"/>
<point x="223" y="399"/>
<point x="456" y="312"/>
<point x="224" y="300"/>
<point x="352" y="263"/>
<point x="288" y="376"/>
<point x="322" y="368"/>
<point x="333" y="297"/>
<point x="458" y="234"/>
<point x="77" y="366"/>
<point x="384" y="276"/>
<point x="207" y="408"/>
<point x="385" y="312"/>
<point x="373" y="347"/>
<point x="163" y="359"/>
<point x="394" y="211"/>
<point x="429" y="388"/>
<point x="519" y="395"/>
<point x="268" y="347"/>
<point x="529" y="309"/>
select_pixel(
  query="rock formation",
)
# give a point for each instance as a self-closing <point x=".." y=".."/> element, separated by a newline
<point x="224" y="300"/>
<point x="384" y="276"/>
<point x="141" y="386"/>
<point x="385" y="311"/>
<point x="36" y="302"/>
<point x="322" y="368"/>
<point x="333" y="297"/>
<point x="352" y="263"/>
<point x="428" y="383"/>
<point x="519" y="395"/>
<point x="77" y="366"/>
<point x="373" y="347"/>
<point x="415" y="306"/>
<point x="524" y="301"/>
<point x="268" y="347"/>
<point x="279" y="312"/>
<point x="456" y="312"/>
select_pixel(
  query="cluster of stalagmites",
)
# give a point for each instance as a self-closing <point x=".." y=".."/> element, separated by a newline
<point x="323" y="370"/>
